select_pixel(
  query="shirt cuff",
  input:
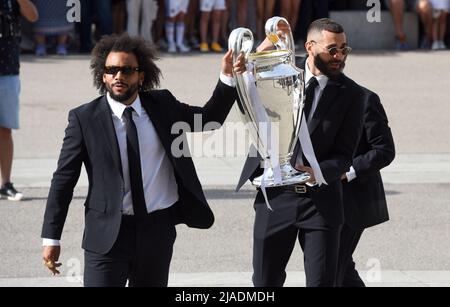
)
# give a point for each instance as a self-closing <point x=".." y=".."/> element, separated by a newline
<point x="227" y="80"/>
<point x="50" y="242"/>
<point x="351" y="174"/>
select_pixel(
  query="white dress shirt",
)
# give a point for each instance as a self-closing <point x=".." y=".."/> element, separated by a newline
<point x="322" y="80"/>
<point x="351" y="174"/>
<point x="158" y="178"/>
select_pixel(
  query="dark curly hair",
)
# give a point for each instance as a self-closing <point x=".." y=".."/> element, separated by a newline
<point x="145" y="54"/>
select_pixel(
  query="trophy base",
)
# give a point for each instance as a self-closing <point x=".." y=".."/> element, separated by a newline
<point x="289" y="176"/>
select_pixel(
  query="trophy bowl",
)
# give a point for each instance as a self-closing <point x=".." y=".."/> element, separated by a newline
<point x="270" y="102"/>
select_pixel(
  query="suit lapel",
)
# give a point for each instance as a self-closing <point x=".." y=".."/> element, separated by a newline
<point x="106" y="125"/>
<point x="156" y="116"/>
<point x="329" y="95"/>
<point x="326" y="100"/>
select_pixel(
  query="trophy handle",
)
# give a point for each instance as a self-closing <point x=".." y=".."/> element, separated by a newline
<point x="241" y="41"/>
<point x="280" y="42"/>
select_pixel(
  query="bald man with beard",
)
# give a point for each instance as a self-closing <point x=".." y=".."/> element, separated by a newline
<point x="311" y="214"/>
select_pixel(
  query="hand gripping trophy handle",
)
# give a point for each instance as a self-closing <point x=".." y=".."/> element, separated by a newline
<point x="279" y="32"/>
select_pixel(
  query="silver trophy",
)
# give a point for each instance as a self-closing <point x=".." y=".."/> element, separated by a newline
<point x="279" y="100"/>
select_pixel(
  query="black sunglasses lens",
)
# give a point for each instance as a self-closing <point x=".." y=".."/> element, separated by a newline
<point x="127" y="70"/>
<point x="333" y="51"/>
<point x="113" y="70"/>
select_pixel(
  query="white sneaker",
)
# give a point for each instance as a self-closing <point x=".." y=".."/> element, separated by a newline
<point x="172" y="48"/>
<point x="442" y="45"/>
<point x="436" y="45"/>
<point x="183" y="48"/>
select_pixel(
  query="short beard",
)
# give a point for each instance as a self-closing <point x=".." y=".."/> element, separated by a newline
<point x="125" y="96"/>
<point x="323" y="67"/>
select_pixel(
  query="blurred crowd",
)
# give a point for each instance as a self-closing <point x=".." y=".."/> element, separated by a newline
<point x="180" y="26"/>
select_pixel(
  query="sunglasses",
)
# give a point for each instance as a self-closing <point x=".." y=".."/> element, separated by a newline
<point x="126" y="70"/>
<point x="334" y="50"/>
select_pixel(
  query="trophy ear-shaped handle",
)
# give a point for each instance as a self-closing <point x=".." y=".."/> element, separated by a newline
<point x="283" y="42"/>
<point x="241" y="40"/>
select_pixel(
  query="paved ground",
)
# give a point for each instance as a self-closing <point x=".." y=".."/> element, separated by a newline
<point x="412" y="249"/>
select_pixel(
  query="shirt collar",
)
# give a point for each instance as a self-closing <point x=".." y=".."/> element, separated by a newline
<point x="322" y="79"/>
<point x="118" y="108"/>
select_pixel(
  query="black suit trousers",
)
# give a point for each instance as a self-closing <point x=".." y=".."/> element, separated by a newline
<point x="141" y="254"/>
<point x="347" y="274"/>
<point x="275" y="232"/>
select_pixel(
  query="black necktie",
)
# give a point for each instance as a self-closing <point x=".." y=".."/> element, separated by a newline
<point x="309" y="93"/>
<point x="309" y="98"/>
<point x="134" y="164"/>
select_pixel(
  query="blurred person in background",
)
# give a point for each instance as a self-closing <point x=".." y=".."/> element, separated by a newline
<point x="264" y="11"/>
<point x="119" y="12"/>
<point x="52" y="22"/>
<point x="440" y="13"/>
<point x="225" y="25"/>
<point x="217" y="7"/>
<point x="101" y="11"/>
<point x="309" y="10"/>
<point x="242" y="9"/>
<point x="397" y="9"/>
<point x="290" y="10"/>
<point x="192" y="24"/>
<point x="175" y="13"/>
<point x="141" y="14"/>
<point x="159" y="26"/>
<point x="10" y="35"/>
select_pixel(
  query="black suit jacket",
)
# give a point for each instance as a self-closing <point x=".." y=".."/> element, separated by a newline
<point x="364" y="197"/>
<point x="90" y="139"/>
<point x="335" y="129"/>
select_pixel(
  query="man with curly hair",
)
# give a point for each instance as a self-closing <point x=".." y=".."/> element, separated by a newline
<point x="139" y="186"/>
